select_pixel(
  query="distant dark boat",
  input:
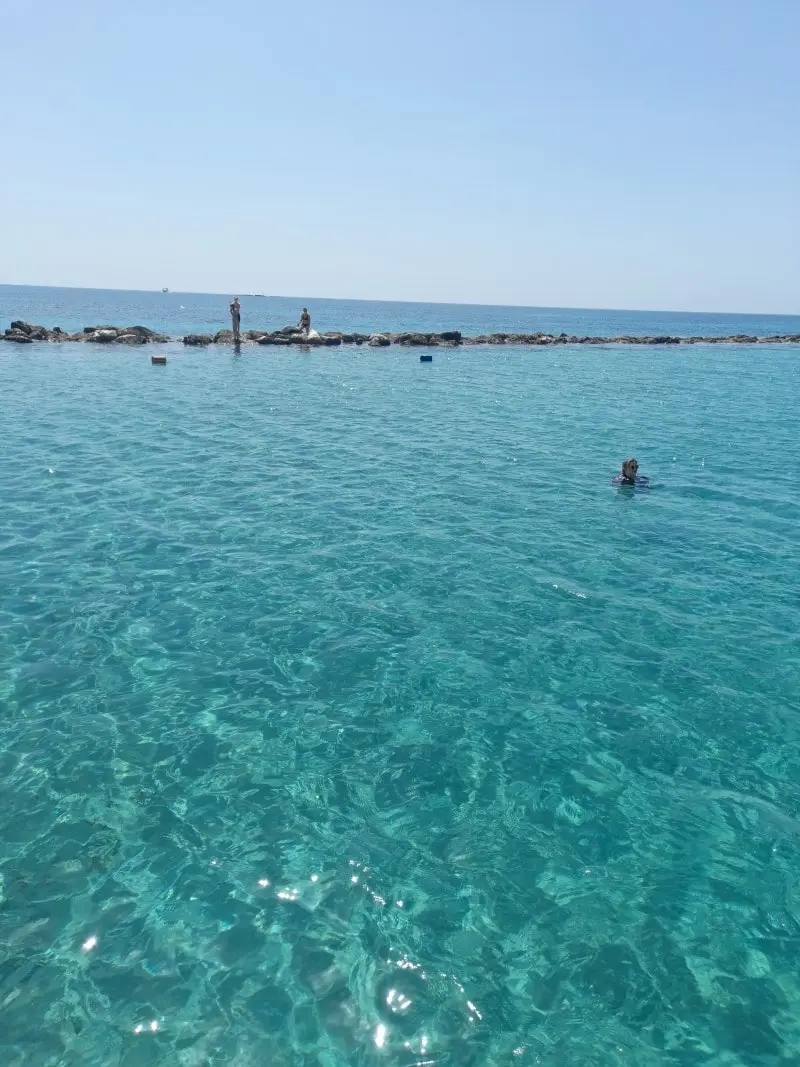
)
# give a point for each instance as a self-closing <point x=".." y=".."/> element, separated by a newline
<point x="165" y="290"/>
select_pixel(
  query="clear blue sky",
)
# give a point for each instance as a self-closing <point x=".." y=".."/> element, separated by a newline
<point x="597" y="153"/>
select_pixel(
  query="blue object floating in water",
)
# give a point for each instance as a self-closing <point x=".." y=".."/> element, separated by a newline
<point x="426" y="358"/>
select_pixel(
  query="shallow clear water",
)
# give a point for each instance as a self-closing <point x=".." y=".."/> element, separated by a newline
<point x="349" y="716"/>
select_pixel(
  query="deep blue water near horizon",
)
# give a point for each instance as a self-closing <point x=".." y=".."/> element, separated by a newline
<point x="180" y="313"/>
<point x="349" y="716"/>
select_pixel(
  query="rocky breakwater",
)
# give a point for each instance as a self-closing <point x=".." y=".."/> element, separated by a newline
<point x="25" y="333"/>
<point x="21" y="332"/>
<point x="534" y="339"/>
<point x="291" y="335"/>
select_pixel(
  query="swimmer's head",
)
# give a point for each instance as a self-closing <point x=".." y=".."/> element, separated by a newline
<point x="630" y="468"/>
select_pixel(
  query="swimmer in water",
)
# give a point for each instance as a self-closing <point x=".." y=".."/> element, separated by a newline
<point x="630" y="468"/>
<point x="629" y="474"/>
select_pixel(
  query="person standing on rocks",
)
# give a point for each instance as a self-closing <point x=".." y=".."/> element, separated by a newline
<point x="236" y="316"/>
<point x="305" y="322"/>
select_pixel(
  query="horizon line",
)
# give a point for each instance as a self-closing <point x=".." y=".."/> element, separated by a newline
<point x="423" y="303"/>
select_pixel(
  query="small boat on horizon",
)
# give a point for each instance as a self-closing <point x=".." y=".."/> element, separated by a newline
<point x="165" y="290"/>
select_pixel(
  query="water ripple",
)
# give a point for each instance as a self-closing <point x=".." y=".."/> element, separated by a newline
<point x="349" y="716"/>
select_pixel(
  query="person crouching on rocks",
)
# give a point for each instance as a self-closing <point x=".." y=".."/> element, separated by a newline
<point x="236" y="316"/>
<point x="305" y="322"/>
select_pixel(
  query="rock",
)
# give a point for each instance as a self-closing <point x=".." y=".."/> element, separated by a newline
<point x="198" y="339"/>
<point x="36" y="333"/>
<point x="448" y="338"/>
<point x="143" y="332"/>
<point x="224" y="337"/>
<point x="288" y="331"/>
<point x="95" y="329"/>
<point x="18" y="337"/>
<point x="271" y="339"/>
<point x="354" y="338"/>
<point x="378" y="340"/>
<point x="331" y="339"/>
<point x="104" y="336"/>
<point x="254" y="335"/>
<point x="131" y="339"/>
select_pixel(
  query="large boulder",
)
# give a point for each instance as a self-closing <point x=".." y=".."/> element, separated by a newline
<point x="280" y="337"/>
<point x="36" y="333"/>
<point x="95" y="329"/>
<point x="145" y="333"/>
<point x="18" y="337"/>
<point x="198" y="339"/>
<point x="331" y="340"/>
<point x="224" y="337"/>
<point x="103" y="336"/>
<point x="378" y="340"/>
<point x="415" y="339"/>
<point x="127" y="338"/>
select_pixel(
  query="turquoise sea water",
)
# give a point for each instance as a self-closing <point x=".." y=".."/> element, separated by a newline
<point x="349" y="716"/>
<point x="181" y="313"/>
